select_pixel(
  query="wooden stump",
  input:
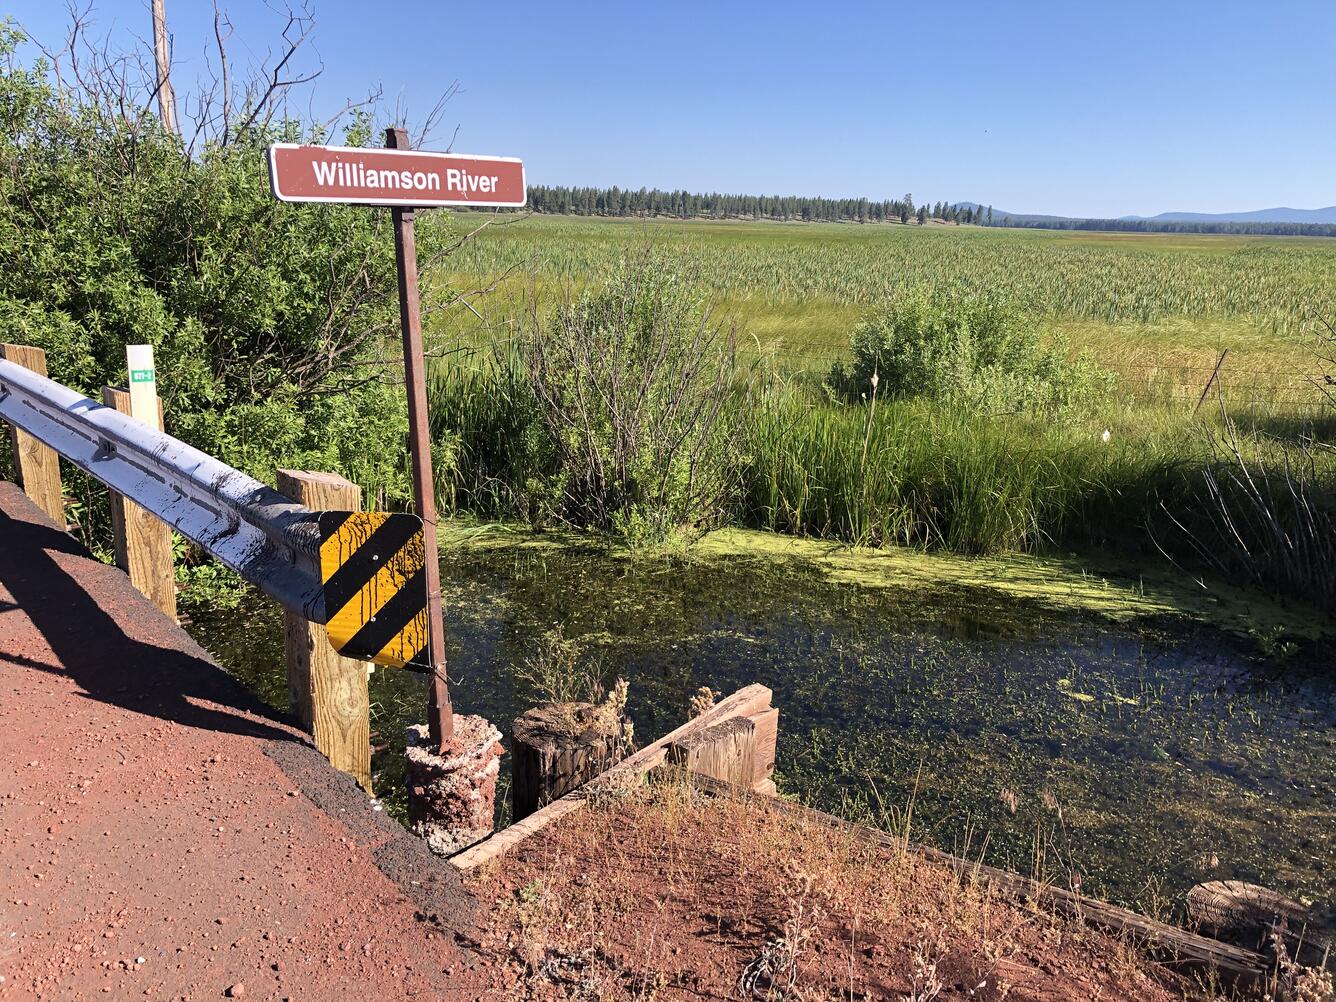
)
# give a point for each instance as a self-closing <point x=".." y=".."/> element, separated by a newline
<point x="556" y="748"/>
<point x="1250" y="915"/>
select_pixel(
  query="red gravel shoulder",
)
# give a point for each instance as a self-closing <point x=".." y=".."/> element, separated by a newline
<point x="161" y="837"/>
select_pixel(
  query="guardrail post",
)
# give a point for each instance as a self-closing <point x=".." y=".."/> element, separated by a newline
<point x="143" y="541"/>
<point x="38" y="466"/>
<point x="327" y="693"/>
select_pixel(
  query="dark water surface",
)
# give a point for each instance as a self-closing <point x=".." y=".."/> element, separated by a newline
<point x="1143" y="760"/>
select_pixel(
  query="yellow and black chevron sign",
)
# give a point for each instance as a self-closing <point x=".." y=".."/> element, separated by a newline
<point x="371" y="564"/>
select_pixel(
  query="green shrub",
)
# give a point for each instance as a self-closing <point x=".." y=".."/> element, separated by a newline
<point x="611" y="413"/>
<point x="267" y="319"/>
<point x="632" y="384"/>
<point x="975" y="351"/>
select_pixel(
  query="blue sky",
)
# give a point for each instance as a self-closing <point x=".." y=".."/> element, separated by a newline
<point x="1079" y="107"/>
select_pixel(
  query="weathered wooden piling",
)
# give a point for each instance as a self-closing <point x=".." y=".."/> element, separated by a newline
<point x="143" y="541"/>
<point x="38" y="465"/>
<point x="327" y="693"/>
<point x="558" y="747"/>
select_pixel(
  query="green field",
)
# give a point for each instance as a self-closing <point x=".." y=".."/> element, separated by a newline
<point x="1157" y="308"/>
<point x="1141" y="470"/>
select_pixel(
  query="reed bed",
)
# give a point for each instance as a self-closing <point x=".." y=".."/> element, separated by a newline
<point x="1278" y="283"/>
<point x="1244" y="483"/>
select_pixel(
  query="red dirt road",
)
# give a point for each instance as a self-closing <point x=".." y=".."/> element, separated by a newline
<point x="162" y="837"/>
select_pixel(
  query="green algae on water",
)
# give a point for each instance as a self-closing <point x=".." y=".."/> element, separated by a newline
<point x="1053" y="718"/>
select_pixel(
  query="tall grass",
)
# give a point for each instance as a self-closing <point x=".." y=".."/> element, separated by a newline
<point x="1211" y="494"/>
<point x="492" y="452"/>
<point x="1108" y="277"/>
<point x="933" y="475"/>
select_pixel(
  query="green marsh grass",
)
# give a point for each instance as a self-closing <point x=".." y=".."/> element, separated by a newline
<point x="933" y="476"/>
<point x="1128" y="472"/>
<point x="1275" y="283"/>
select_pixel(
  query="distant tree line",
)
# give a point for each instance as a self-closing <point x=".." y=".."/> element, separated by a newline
<point x="681" y="204"/>
<point x="616" y="201"/>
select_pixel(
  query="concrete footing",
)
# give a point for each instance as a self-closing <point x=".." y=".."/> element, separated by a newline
<point x="452" y="797"/>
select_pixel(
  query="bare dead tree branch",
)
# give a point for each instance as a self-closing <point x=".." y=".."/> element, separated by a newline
<point x="295" y="33"/>
<point x="220" y="20"/>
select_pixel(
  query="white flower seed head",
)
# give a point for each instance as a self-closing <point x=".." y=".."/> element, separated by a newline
<point x="1105" y="437"/>
<point x="875" y="379"/>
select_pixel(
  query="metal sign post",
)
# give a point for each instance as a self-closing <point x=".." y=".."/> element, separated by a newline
<point x="405" y="180"/>
<point x="440" y="719"/>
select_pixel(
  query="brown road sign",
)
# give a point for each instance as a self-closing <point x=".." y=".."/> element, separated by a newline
<point x="393" y="177"/>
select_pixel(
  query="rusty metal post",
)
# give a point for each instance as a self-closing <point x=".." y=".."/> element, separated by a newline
<point x="440" y="719"/>
<point x="1215" y="374"/>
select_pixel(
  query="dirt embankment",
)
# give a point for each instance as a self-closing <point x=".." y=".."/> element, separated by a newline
<point x="670" y="894"/>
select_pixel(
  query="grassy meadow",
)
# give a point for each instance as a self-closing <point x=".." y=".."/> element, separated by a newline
<point x="1141" y="470"/>
<point x="1158" y="308"/>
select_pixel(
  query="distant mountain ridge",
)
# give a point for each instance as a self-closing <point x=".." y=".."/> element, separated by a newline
<point x="1016" y="217"/>
<point x="1281" y="214"/>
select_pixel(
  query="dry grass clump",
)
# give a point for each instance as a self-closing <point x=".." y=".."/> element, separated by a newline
<point x="666" y="893"/>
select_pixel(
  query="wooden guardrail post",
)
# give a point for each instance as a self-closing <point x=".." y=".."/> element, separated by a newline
<point x="327" y="693"/>
<point x="143" y="541"/>
<point x="38" y="466"/>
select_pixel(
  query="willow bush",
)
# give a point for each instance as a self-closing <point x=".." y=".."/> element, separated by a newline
<point x="980" y="352"/>
<point x="267" y="320"/>
<point x="610" y="412"/>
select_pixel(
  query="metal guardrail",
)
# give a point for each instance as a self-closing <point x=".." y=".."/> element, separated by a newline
<point x="270" y="541"/>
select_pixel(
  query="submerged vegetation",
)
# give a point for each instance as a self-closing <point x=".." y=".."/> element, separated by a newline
<point x="1112" y="720"/>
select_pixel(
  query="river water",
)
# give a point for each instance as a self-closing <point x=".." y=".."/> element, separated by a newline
<point x="1135" y="759"/>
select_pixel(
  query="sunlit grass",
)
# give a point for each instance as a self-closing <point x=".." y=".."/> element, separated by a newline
<point x="1157" y="310"/>
<point x="1277" y="284"/>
